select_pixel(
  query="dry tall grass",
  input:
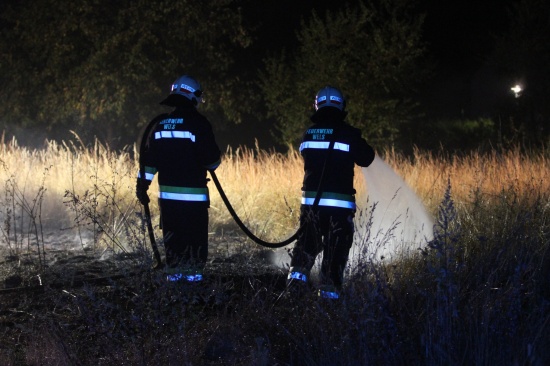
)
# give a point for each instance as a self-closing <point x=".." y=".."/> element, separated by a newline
<point x="489" y="173"/>
<point x="263" y="186"/>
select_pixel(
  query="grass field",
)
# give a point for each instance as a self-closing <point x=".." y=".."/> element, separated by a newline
<point x="478" y="294"/>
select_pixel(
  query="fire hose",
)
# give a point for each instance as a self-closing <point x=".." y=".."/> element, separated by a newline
<point x="158" y="260"/>
<point x="243" y="226"/>
<point x="251" y="235"/>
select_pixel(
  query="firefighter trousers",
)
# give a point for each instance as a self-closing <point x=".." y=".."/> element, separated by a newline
<point x="185" y="231"/>
<point x="328" y="230"/>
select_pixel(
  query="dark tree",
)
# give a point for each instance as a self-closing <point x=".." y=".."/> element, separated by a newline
<point x="100" y="67"/>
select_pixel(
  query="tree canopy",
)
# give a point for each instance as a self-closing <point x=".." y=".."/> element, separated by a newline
<point x="373" y="53"/>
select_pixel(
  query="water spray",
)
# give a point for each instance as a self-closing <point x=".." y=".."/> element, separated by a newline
<point x="396" y="223"/>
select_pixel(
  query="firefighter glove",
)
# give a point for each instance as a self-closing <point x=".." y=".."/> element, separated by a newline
<point x="141" y="191"/>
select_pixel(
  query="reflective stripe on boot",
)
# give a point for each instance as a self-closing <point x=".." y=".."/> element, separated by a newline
<point x="328" y="292"/>
<point x="180" y="276"/>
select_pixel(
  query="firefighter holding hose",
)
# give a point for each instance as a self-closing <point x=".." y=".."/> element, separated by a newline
<point x="181" y="148"/>
<point x="330" y="149"/>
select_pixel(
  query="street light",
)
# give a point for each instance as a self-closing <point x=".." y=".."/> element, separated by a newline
<point x="517" y="90"/>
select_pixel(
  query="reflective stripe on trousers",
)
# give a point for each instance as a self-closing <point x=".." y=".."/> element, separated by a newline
<point x="329" y="199"/>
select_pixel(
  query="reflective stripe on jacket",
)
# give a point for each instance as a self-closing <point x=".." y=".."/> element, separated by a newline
<point x="323" y="145"/>
<point x="149" y="173"/>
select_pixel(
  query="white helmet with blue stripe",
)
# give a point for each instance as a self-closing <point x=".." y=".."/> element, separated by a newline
<point x="329" y="97"/>
<point x="189" y="88"/>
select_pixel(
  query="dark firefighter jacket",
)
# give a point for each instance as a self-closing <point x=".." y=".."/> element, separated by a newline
<point x="349" y="149"/>
<point x="181" y="148"/>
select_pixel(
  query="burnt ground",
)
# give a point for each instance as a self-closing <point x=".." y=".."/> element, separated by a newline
<point x="60" y="268"/>
<point x="51" y="306"/>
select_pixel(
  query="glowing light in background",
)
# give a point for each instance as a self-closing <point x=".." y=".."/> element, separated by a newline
<point x="517" y="89"/>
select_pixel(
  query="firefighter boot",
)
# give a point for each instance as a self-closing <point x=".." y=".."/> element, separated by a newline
<point x="296" y="283"/>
